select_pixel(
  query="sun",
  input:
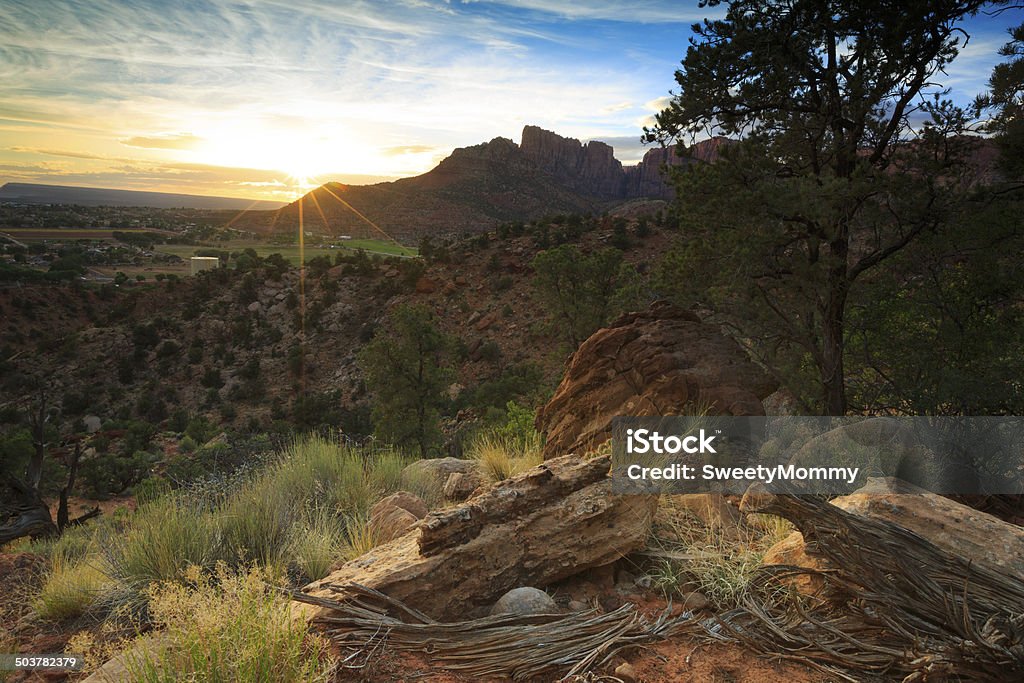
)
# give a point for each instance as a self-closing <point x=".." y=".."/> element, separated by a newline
<point x="300" y="155"/>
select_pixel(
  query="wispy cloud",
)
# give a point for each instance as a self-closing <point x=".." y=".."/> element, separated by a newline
<point x="293" y="89"/>
<point x="167" y="141"/>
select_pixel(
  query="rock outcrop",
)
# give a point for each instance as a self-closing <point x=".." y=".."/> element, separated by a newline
<point x="662" y="361"/>
<point x="547" y="524"/>
<point x="589" y="168"/>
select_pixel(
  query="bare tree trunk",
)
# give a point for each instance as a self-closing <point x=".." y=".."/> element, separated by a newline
<point x="62" y="508"/>
<point x="23" y="512"/>
<point x="833" y="347"/>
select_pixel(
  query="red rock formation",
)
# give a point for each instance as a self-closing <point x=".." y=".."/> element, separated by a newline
<point x="479" y="186"/>
<point x="662" y="361"/>
<point x="589" y="168"/>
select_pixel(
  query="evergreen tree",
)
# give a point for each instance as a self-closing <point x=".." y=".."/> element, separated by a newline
<point x="408" y="368"/>
<point x="821" y="184"/>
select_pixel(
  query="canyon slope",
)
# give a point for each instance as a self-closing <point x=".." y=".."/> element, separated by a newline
<point x="478" y="187"/>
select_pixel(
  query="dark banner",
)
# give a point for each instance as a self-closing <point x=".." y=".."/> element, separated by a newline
<point x="816" y="455"/>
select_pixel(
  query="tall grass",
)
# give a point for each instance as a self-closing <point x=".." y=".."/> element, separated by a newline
<point x="163" y="538"/>
<point x="228" y="627"/>
<point x="722" y="560"/>
<point x="500" y="457"/>
<point x="293" y="513"/>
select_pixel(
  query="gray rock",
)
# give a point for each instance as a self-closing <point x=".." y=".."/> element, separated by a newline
<point x="525" y="600"/>
<point x="92" y="423"/>
<point x="694" y="601"/>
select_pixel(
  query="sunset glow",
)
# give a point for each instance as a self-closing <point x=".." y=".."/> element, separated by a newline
<point x="265" y="99"/>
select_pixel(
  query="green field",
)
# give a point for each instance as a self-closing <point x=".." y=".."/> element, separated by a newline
<point x="292" y="252"/>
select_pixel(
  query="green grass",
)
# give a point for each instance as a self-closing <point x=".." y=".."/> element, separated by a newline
<point x="291" y="252"/>
<point x="229" y="627"/>
<point x="303" y="511"/>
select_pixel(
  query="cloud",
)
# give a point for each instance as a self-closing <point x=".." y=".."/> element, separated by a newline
<point x="64" y="153"/>
<point x="407" y="149"/>
<point x="317" y="86"/>
<point x="621" y="106"/>
<point x="165" y="141"/>
<point x="642" y="11"/>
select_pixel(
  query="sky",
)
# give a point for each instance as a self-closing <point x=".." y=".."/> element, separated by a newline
<point x="266" y="98"/>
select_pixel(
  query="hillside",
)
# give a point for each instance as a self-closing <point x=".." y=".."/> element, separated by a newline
<point x="149" y="347"/>
<point x="477" y="187"/>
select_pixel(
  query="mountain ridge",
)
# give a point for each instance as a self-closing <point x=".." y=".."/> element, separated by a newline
<point x="39" y="193"/>
<point x="480" y="186"/>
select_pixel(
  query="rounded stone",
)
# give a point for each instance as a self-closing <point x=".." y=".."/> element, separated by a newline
<point x="525" y="600"/>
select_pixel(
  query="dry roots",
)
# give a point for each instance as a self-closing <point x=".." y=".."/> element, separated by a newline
<point x="900" y="607"/>
<point x="511" y="646"/>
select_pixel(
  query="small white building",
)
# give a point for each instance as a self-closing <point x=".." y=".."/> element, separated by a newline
<point x="198" y="264"/>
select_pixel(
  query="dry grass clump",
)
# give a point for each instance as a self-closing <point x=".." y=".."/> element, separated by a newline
<point x="718" y="561"/>
<point x="500" y="457"/>
<point x="362" y="537"/>
<point x="228" y="627"/>
<point x="73" y="587"/>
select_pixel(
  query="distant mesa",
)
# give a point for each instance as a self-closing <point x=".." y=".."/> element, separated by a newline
<point x="477" y="187"/>
<point x="31" y="193"/>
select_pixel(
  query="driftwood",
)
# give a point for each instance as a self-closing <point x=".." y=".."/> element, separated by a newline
<point x="520" y="647"/>
<point x="906" y="609"/>
<point x="542" y="526"/>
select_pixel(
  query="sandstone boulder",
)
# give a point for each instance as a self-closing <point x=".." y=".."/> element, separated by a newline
<point x="409" y="502"/>
<point x="461" y="485"/>
<point x="891" y="447"/>
<point x="436" y="470"/>
<point x="393" y="516"/>
<point x="525" y="600"/>
<point x="392" y="523"/>
<point x="662" y="361"/>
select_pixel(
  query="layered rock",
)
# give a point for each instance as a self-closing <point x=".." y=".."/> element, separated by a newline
<point x="547" y="524"/>
<point x="662" y="361"/>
